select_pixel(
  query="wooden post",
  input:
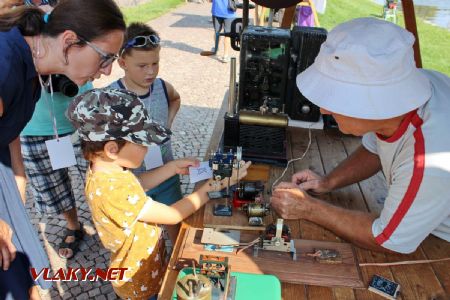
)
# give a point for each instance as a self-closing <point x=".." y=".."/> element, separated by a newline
<point x="411" y="26"/>
<point x="245" y="14"/>
<point x="287" y="17"/>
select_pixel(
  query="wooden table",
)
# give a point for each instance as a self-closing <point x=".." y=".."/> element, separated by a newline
<point x="419" y="281"/>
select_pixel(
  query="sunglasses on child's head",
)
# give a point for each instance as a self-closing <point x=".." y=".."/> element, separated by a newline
<point x="142" y="41"/>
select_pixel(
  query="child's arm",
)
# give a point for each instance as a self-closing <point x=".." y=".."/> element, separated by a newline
<point x="155" y="177"/>
<point x="160" y="213"/>
<point x="174" y="103"/>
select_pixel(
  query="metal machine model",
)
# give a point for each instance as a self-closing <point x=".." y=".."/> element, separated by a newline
<point x="214" y="281"/>
<point x="276" y="238"/>
<point x="248" y="192"/>
<point x="256" y="212"/>
<point x="248" y="196"/>
<point x="257" y="121"/>
<point x="264" y="64"/>
<point x="222" y="165"/>
<point x="194" y="287"/>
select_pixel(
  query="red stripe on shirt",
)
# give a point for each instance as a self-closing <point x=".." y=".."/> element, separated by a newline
<point x="401" y="129"/>
<point x="413" y="188"/>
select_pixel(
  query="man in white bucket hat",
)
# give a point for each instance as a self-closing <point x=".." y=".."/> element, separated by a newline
<point x="366" y="78"/>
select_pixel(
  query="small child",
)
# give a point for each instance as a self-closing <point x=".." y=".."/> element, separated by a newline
<point x="115" y="131"/>
<point x="139" y="58"/>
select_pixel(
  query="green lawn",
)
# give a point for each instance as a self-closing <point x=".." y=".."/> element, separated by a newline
<point x="434" y="41"/>
<point x="148" y="11"/>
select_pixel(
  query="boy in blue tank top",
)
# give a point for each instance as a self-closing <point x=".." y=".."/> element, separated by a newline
<point x="139" y="58"/>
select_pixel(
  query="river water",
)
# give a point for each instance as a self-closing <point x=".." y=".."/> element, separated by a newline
<point x="436" y="12"/>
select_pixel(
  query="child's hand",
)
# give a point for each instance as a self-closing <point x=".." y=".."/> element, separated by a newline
<point x="182" y="165"/>
<point x="242" y="172"/>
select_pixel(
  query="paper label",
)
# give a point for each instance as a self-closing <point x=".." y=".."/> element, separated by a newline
<point x="202" y="172"/>
<point x="61" y="153"/>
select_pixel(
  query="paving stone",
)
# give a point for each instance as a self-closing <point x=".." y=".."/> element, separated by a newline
<point x="106" y="288"/>
<point x="83" y="296"/>
<point x="75" y="290"/>
<point x="86" y="286"/>
<point x="94" y="292"/>
<point x="112" y="296"/>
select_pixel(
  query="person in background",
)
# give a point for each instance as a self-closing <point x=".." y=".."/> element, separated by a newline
<point x="139" y="58"/>
<point x="222" y="17"/>
<point x="45" y="5"/>
<point x="52" y="190"/>
<point x="79" y="39"/>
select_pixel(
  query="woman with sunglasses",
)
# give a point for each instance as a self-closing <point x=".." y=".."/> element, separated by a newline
<point x="79" y="39"/>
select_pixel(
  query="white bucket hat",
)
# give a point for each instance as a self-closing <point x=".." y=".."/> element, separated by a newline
<point x="365" y="69"/>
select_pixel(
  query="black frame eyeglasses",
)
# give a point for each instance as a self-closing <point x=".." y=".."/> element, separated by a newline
<point x="142" y="41"/>
<point x="106" y="58"/>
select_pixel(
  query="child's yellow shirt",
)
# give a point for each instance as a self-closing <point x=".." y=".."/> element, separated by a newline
<point x="116" y="198"/>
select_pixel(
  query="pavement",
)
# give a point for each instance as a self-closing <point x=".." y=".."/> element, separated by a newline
<point x="202" y="83"/>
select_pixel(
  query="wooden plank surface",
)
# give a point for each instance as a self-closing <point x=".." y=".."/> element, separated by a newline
<point x="303" y="270"/>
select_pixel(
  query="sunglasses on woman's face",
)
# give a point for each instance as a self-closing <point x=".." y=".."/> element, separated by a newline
<point x="142" y="41"/>
<point x="106" y="58"/>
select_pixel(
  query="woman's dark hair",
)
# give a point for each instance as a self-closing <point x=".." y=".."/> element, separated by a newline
<point x="138" y="29"/>
<point x="89" y="19"/>
<point x="92" y="149"/>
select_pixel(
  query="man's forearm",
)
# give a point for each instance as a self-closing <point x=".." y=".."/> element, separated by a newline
<point x="360" y="165"/>
<point x="353" y="226"/>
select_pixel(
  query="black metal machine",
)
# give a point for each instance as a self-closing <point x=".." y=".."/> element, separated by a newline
<point x="257" y="121"/>
<point x="264" y="62"/>
<point x="270" y="59"/>
<point x="306" y="42"/>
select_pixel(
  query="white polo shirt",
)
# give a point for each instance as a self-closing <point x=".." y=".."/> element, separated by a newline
<point x="416" y="164"/>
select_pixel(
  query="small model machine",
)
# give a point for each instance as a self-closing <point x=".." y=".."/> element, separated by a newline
<point x="277" y="237"/>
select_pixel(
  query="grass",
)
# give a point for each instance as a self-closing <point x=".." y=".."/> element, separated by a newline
<point x="150" y="10"/>
<point x="434" y="41"/>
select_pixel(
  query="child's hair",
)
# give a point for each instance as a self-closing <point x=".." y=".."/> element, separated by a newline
<point x="134" y="30"/>
<point x="90" y="19"/>
<point x="92" y="149"/>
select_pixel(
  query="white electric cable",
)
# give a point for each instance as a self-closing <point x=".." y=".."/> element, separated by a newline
<point x="294" y="159"/>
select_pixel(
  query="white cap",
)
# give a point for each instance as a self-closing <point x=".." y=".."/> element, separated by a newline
<point x="365" y="69"/>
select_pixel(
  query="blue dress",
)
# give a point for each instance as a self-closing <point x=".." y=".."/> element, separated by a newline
<point x="19" y="91"/>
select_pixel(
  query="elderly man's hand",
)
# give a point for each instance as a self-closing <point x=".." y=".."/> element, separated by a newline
<point x="290" y="201"/>
<point x="310" y="181"/>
